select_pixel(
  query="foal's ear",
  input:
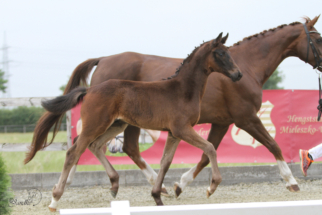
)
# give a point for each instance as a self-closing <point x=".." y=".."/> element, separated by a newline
<point x="223" y="40"/>
<point x="217" y="40"/>
<point x="311" y="23"/>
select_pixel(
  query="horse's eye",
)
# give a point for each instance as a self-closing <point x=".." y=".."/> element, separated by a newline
<point x="319" y="40"/>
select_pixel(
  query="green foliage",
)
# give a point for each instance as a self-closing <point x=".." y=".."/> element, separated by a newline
<point x="62" y="88"/>
<point x="2" y="82"/>
<point x="273" y="81"/>
<point x="20" y="116"/>
<point x="5" y="193"/>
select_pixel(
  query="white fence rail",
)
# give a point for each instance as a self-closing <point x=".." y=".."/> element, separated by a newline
<point x="262" y="208"/>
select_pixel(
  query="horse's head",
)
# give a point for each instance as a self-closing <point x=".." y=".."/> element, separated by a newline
<point x="309" y="47"/>
<point x="220" y="61"/>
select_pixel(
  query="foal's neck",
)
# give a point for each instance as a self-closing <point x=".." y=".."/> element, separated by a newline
<point x="193" y="79"/>
<point x="260" y="56"/>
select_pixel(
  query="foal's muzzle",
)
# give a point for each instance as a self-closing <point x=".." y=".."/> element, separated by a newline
<point x="236" y="76"/>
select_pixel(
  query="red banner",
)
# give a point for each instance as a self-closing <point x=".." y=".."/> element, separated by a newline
<point x="289" y="116"/>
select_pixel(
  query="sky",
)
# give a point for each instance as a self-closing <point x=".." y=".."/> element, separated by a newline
<point x="48" y="39"/>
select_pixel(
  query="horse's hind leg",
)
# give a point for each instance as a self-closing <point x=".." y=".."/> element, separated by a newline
<point x="168" y="153"/>
<point x="96" y="149"/>
<point x="254" y="127"/>
<point x="216" y="134"/>
<point x="131" y="148"/>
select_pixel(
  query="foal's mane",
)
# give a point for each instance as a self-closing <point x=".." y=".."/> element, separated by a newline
<point x="187" y="59"/>
<point x="307" y="19"/>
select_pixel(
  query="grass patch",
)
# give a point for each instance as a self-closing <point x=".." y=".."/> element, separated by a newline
<point x="53" y="161"/>
<point x="27" y="137"/>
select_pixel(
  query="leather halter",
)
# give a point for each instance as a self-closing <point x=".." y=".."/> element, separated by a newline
<point x="317" y="58"/>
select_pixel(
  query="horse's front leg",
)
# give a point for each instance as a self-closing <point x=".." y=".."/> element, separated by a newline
<point x="216" y="134"/>
<point x="131" y="148"/>
<point x="255" y="128"/>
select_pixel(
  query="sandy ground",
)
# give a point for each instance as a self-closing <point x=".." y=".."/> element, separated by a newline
<point x="99" y="196"/>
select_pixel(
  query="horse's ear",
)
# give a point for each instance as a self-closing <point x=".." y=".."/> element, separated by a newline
<point x="311" y="23"/>
<point x="217" y="40"/>
<point x="223" y="40"/>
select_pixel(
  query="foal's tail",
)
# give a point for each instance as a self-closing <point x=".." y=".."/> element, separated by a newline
<point x="56" y="108"/>
<point x="49" y="119"/>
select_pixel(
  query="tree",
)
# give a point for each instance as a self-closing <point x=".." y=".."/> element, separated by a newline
<point x="62" y="88"/>
<point x="2" y="82"/>
<point x="276" y="78"/>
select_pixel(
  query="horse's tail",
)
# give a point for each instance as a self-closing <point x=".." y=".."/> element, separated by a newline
<point x="49" y="120"/>
<point x="55" y="110"/>
<point x="80" y="74"/>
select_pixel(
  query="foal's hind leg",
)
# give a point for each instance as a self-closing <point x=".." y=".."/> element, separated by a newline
<point x="168" y="153"/>
<point x="254" y="127"/>
<point x="131" y="148"/>
<point x="96" y="149"/>
<point x="72" y="155"/>
<point x="217" y="132"/>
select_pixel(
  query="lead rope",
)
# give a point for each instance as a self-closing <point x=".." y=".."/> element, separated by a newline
<point x="320" y="99"/>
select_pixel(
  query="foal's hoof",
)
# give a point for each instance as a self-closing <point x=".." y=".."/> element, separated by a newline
<point x="208" y="192"/>
<point x="164" y="192"/>
<point x="52" y="209"/>
<point x="113" y="193"/>
<point x="293" y="188"/>
<point x="177" y="189"/>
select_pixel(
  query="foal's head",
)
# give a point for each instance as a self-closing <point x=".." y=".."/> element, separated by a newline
<point x="219" y="59"/>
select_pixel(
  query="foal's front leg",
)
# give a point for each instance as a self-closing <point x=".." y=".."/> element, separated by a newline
<point x="216" y="134"/>
<point x="168" y="153"/>
<point x="131" y="148"/>
<point x="189" y="135"/>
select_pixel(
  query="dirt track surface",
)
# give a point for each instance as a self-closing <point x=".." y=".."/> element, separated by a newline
<point x="99" y="196"/>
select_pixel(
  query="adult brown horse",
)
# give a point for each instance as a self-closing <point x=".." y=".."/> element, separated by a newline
<point x="224" y="103"/>
<point x="150" y="105"/>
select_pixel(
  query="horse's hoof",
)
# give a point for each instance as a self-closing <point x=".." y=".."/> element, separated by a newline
<point x="164" y="192"/>
<point x="208" y="192"/>
<point x="293" y="188"/>
<point x="113" y="193"/>
<point x="177" y="189"/>
<point x="52" y="209"/>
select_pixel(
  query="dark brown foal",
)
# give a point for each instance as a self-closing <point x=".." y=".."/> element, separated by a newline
<point x="172" y="105"/>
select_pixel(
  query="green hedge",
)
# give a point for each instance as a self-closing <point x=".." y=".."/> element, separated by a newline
<point x="21" y="115"/>
<point x="5" y="193"/>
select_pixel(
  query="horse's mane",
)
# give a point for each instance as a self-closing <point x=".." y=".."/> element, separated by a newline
<point x="187" y="59"/>
<point x="306" y="19"/>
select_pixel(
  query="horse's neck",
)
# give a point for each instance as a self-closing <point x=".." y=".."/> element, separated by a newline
<point x="259" y="57"/>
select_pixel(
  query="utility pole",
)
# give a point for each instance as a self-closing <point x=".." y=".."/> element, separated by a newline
<point x="5" y="65"/>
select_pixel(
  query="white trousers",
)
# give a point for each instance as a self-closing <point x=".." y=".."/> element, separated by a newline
<point x="316" y="152"/>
